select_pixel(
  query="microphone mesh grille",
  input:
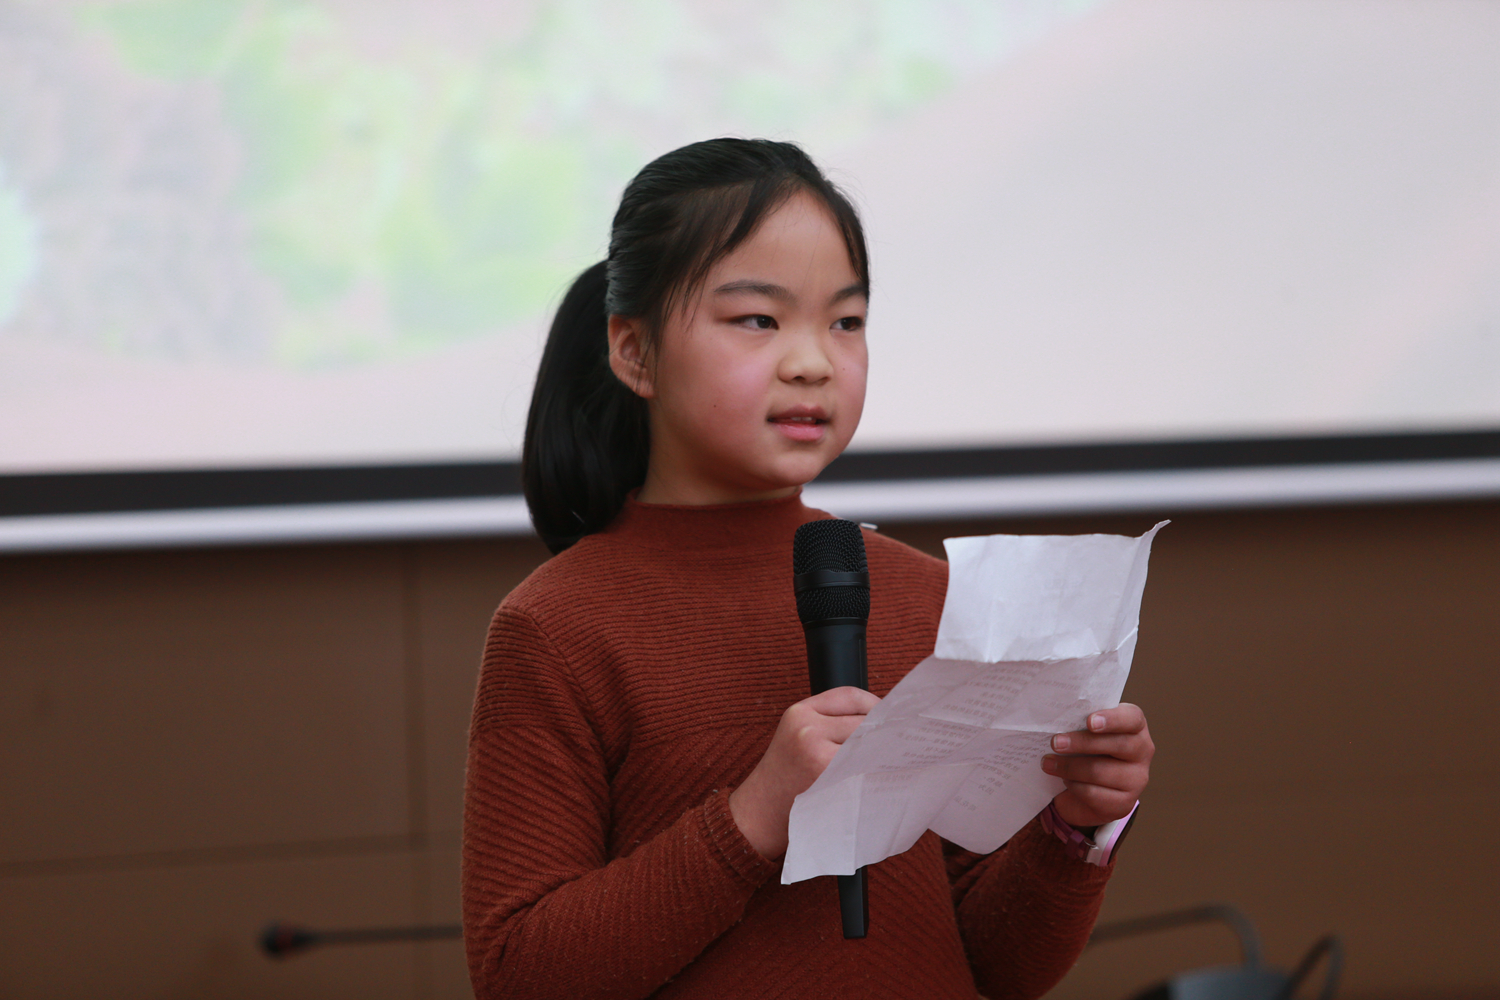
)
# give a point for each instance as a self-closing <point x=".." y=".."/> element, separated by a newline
<point x="829" y="544"/>
<point x="836" y="545"/>
<point x="822" y="603"/>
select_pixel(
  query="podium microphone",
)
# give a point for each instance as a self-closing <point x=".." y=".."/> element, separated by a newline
<point x="832" y="583"/>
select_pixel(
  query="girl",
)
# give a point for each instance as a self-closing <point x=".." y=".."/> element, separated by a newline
<point x="640" y="728"/>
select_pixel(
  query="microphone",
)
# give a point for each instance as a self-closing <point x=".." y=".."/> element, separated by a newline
<point x="832" y="583"/>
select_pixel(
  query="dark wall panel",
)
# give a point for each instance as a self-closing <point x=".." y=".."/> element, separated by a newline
<point x="192" y="743"/>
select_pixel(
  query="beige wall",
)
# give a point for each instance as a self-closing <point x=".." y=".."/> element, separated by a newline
<point x="194" y="742"/>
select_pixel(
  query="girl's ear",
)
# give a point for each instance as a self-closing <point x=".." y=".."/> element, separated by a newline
<point x="627" y="355"/>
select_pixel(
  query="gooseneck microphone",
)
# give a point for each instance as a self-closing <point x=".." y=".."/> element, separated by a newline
<point x="832" y="583"/>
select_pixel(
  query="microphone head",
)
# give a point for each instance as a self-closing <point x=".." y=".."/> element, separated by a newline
<point x="839" y="547"/>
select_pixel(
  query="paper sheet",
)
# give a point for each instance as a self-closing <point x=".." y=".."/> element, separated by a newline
<point x="1037" y="632"/>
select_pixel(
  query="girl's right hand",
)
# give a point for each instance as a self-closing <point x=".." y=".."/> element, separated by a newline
<point x="806" y="739"/>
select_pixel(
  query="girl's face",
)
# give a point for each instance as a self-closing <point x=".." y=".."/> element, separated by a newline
<point x="758" y="382"/>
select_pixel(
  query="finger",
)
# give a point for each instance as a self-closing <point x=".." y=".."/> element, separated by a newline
<point x="1132" y="747"/>
<point x="841" y="727"/>
<point x="1104" y="771"/>
<point x="1090" y="805"/>
<point x="812" y="726"/>
<point x="1123" y="718"/>
<point x="842" y="701"/>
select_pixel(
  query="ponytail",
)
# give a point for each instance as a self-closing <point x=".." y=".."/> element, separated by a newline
<point x="587" y="437"/>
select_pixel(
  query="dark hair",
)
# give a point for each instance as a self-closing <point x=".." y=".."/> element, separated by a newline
<point x="587" y="435"/>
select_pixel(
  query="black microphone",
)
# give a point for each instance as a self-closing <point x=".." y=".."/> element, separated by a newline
<point x="832" y="583"/>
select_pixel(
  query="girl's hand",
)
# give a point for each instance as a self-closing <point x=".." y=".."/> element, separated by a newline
<point x="806" y="739"/>
<point x="1105" y="767"/>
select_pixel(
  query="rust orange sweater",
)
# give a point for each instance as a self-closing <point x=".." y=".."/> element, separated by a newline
<point x="628" y="685"/>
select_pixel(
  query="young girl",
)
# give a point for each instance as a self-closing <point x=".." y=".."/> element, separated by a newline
<point x="641" y="725"/>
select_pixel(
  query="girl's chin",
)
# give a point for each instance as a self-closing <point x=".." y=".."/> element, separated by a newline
<point x="799" y="470"/>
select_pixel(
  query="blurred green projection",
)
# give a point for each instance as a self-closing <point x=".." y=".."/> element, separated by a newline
<point x="363" y="181"/>
<point x="18" y="248"/>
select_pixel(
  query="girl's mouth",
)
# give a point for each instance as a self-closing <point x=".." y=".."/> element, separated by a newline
<point x="800" y="427"/>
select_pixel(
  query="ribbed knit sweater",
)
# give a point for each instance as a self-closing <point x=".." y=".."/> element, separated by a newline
<point x="628" y="685"/>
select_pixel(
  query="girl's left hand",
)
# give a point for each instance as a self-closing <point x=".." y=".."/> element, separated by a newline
<point x="1105" y="767"/>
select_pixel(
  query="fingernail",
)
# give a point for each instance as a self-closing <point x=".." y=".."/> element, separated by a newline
<point x="1060" y="742"/>
<point x="1096" y="722"/>
<point x="1049" y="764"/>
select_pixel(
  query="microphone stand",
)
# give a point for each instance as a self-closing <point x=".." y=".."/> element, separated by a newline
<point x="280" y="940"/>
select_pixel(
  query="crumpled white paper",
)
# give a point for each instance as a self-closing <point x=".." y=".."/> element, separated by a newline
<point x="1037" y="632"/>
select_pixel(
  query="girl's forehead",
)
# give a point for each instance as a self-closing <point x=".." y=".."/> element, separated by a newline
<point x="799" y="239"/>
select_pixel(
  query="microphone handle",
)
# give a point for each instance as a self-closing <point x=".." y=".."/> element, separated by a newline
<point x="836" y="654"/>
<point x="836" y="658"/>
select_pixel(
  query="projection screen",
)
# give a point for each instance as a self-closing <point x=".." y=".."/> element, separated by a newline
<point x="281" y="269"/>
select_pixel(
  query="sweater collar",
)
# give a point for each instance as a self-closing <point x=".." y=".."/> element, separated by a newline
<point x="712" y="526"/>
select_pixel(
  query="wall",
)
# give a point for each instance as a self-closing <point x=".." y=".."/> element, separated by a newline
<point x="195" y="742"/>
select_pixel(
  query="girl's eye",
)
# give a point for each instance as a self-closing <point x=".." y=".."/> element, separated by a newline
<point x="850" y="323"/>
<point x="758" y="322"/>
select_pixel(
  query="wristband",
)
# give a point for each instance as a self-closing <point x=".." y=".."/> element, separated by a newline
<point x="1101" y="848"/>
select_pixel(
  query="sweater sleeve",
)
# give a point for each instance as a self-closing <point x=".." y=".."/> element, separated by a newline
<point x="1025" y="911"/>
<point x="546" y="912"/>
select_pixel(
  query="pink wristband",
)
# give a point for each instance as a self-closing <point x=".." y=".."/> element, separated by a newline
<point x="1098" y="851"/>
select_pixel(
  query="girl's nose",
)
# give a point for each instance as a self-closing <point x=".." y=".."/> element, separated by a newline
<point x="806" y="358"/>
